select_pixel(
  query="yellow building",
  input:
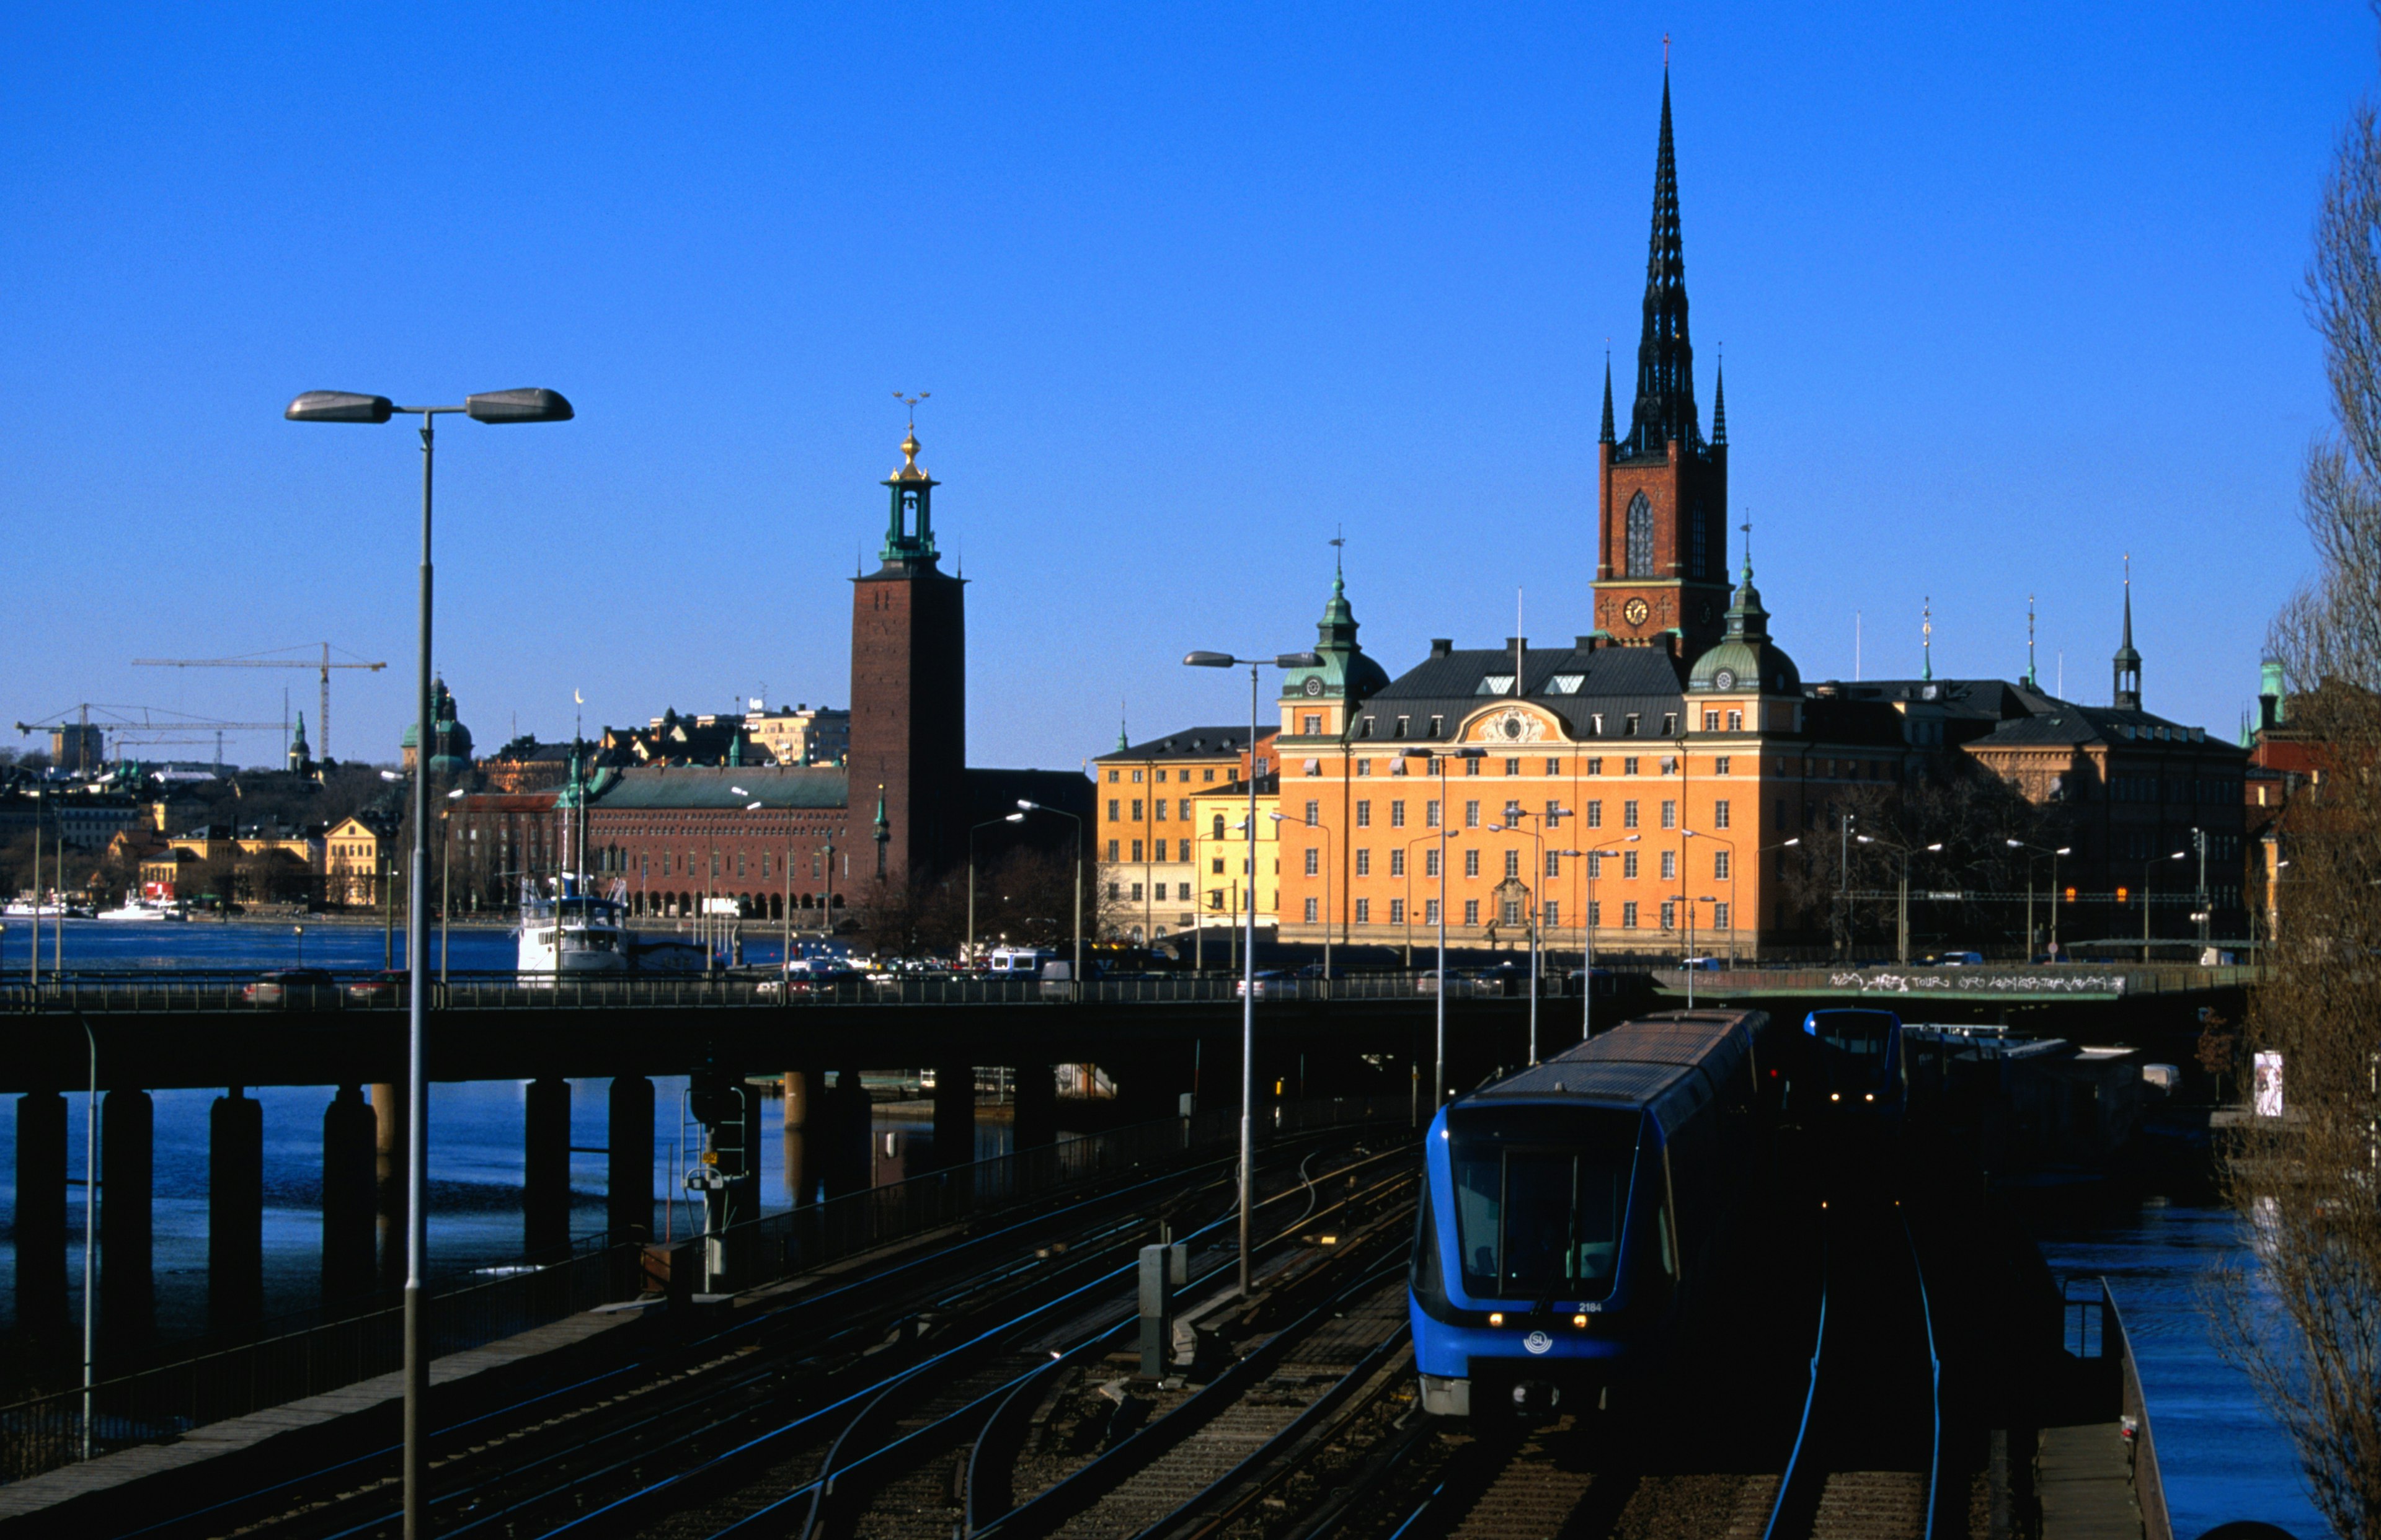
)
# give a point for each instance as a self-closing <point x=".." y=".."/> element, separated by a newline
<point x="1144" y="824"/>
<point x="1223" y="882"/>
<point x="355" y="857"/>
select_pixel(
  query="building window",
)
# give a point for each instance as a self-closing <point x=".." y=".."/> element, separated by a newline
<point x="1397" y="862"/>
<point x="1404" y="726"/>
<point x="1670" y="813"/>
<point x="1313" y="724"/>
<point x="1629" y="765"/>
<point x="1365" y="726"/>
<point x="1136" y="849"/>
<point x="1311" y="909"/>
<point x="1639" y="556"/>
<point x="1628" y="814"/>
<point x="1314" y="813"/>
<point x="1159" y="808"/>
<point x="1669" y="865"/>
<point x="1136" y="893"/>
<point x="1219" y="827"/>
<point x="1595" y="815"/>
<point x="1554" y="767"/>
<point x="1116" y="890"/>
<point x="1430" y="864"/>
<point x="1112" y="777"/>
<point x="1554" y="863"/>
<point x="1430" y="911"/>
<point x="1512" y="863"/>
<point x="1182" y="808"/>
<point x="1396" y="815"/>
<point x="1363" y="912"/>
<point x="1363" y="815"/>
<point x="1594" y="913"/>
<point x="1719" y="917"/>
<point x="1112" y="855"/>
<point x="1719" y="865"/>
<point x="1669" y="914"/>
<point x="1365" y="766"/>
<point x="1554" y="913"/>
<point x="1430" y="815"/>
<point x="1719" y="766"/>
<point x="1136" y="778"/>
<point x="1627" y="863"/>
<point x="1472" y="911"/>
<point x="1719" y="814"/>
<point x="1710" y="721"/>
<point x="1594" y="728"/>
<point x="1136" y="809"/>
<point x="1471" y="816"/>
<point x="1513" y="813"/>
<point x="1364" y="862"/>
<point x="1512" y="768"/>
<point x="1628" y="726"/>
<point x="1628" y="915"/>
<point x="1472" y="766"/>
<point x="1472" y="862"/>
<point x="1182" y="891"/>
<point x="1207" y="774"/>
<point x="1397" y="911"/>
<point x="1314" y="862"/>
<point x="1736" y="721"/>
<point x="1216" y="866"/>
<point x="1595" y="864"/>
<point x="1113" y="815"/>
<point x="1669" y="724"/>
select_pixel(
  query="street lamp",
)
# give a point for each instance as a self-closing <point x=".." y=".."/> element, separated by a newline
<point x="2053" y="855"/>
<point x="1595" y="854"/>
<point x="1248" y="952"/>
<point x="1903" y="947"/>
<point x="1438" y="767"/>
<point x="1716" y="839"/>
<point x="445" y="877"/>
<point x="1024" y="806"/>
<point x="1536" y="908"/>
<point x="1328" y="913"/>
<point x="1008" y="818"/>
<point x="300" y="931"/>
<point x="491" y="406"/>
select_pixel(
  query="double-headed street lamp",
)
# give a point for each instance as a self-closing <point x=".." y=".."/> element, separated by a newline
<point x="989" y="822"/>
<point x="491" y="406"/>
<point x="1686" y="835"/>
<point x="1438" y="767"/>
<point x="1536" y="908"/>
<point x="1025" y="806"/>
<point x="1594" y="855"/>
<point x="1329" y="917"/>
<point x="2053" y="855"/>
<point x="1248" y="952"/>
<point x="1904" y="852"/>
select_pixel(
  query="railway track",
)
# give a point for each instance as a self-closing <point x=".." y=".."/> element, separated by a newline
<point x="548" y="1458"/>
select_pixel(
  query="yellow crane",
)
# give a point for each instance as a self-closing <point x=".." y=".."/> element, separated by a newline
<point x="324" y="664"/>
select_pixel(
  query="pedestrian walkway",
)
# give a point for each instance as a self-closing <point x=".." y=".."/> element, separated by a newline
<point x="2083" y="1479"/>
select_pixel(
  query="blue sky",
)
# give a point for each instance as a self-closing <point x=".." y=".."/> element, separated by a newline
<point x="2005" y="293"/>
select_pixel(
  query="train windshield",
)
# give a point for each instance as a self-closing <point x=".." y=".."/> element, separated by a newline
<point x="1541" y="1199"/>
<point x="1853" y="1046"/>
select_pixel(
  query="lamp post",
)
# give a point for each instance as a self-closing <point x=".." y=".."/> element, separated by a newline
<point x="787" y="909"/>
<point x="1433" y="838"/>
<point x="1716" y="839"/>
<point x="1007" y="818"/>
<point x="1329" y="915"/>
<point x="2199" y="843"/>
<point x="1248" y="952"/>
<point x="1594" y="855"/>
<point x="299" y="932"/>
<point x="492" y="407"/>
<point x="1536" y="908"/>
<point x="2053" y="855"/>
<point x="445" y="877"/>
<point x="1903" y="947"/>
<point x="1438" y="767"/>
<point x="1024" y="806"/>
<point x="1690" y="969"/>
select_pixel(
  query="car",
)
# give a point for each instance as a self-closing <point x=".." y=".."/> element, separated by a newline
<point x="384" y="988"/>
<point x="1960" y="960"/>
<point x="1704" y="964"/>
<point x="290" y="987"/>
<point x="1269" y="981"/>
<point x="815" y="981"/>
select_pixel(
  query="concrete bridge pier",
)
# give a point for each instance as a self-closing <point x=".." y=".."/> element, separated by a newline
<point x="851" y="1160"/>
<point x="41" y="1216"/>
<point x="347" y="1138"/>
<point x="388" y="1179"/>
<point x="127" y="1176"/>
<point x="545" y="1167"/>
<point x="235" y="1210"/>
<point x="1035" y="1111"/>
<point x="954" y="1114"/>
<point x="802" y="1177"/>
<point x="629" y="1159"/>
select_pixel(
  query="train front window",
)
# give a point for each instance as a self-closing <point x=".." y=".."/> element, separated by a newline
<point x="1542" y="1199"/>
<point x="1852" y="1045"/>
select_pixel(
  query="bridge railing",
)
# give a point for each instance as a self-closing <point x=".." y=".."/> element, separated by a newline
<point x="45" y="1432"/>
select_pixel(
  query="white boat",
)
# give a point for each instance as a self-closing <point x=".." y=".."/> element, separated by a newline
<point x="135" y="907"/>
<point x="574" y="932"/>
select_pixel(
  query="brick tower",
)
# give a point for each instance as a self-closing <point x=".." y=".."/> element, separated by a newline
<point x="1661" y="572"/>
<point x="909" y="691"/>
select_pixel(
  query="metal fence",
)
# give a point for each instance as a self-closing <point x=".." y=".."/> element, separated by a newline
<point x="46" y="1432"/>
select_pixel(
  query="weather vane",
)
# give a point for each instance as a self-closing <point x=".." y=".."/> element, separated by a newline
<point x="1338" y="543"/>
<point x="911" y="402"/>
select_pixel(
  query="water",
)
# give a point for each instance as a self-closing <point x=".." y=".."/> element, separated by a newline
<point x="2222" y="1457"/>
<point x="476" y="1131"/>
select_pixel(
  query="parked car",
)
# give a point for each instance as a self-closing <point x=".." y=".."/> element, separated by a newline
<point x="812" y="981"/>
<point x="1705" y="964"/>
<point x="291" y="986"/>
<point x="384" y="988"/>
<point x="1269" y="981"/>
<point x="1960" y="960"/>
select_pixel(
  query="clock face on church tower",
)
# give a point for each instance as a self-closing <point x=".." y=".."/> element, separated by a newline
<point x="1634" y="612"/>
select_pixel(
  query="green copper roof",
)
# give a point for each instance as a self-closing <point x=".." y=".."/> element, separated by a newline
<point x="1745" y="654"/>
<point x="1345" y="670"/>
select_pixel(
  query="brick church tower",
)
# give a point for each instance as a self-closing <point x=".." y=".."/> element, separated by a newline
<point x="909" y="692"/>
<point x="1661" y="572"/>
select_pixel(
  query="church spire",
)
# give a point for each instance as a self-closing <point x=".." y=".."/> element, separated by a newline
<point x="1926" y="640"/>
<point x="1665" y="372"/>
<point x="1719" y="406"/>
<point x="2126" y="664"/>
<point x="1606" y="436"/>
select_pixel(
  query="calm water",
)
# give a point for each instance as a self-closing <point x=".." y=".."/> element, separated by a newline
<point x="476" y="1135"/>
<point x="2221" y="1456"/>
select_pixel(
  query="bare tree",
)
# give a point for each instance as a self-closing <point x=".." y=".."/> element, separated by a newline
<point x="2304" y="1320"/>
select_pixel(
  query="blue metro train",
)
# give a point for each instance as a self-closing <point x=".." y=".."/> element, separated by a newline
<point x="1858" y="1066"/>
<point x="1571" y="1213"/>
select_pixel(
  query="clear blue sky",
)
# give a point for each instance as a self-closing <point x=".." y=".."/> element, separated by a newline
<point x="2005" y="292"/>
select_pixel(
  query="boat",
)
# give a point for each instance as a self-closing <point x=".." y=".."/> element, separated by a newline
<point x="567" y="930"/>
<point x="135" y="907"/>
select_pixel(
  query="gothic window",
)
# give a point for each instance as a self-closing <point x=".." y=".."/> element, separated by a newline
<point x="1702" y="546"/>
<point x="1640" y="537"/>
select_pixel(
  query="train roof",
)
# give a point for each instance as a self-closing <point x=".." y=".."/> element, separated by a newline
<point x="1668" y="1065"/>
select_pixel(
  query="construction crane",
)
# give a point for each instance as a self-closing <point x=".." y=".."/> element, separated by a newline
<point x="147" y="726"/>
<point x="324" y="664"/>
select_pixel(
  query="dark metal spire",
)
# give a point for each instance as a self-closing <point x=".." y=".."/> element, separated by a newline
<point x="1607" y="435"/>
<point x="1719" y="407"/>
<point x="1666" y="360"/>
<point x="2128" y="663"/>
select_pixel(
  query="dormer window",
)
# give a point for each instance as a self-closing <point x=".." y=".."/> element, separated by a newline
<point x="1595" y="724"/>
<point x="1669" y="724"/>
<point x="1495" y="684"/>
<point x="1628" y="726"/>
<point x="1404" y="726"/>
<point x="1565" y="684"/>
<point x="1438" y="727"/>
<point x="1365" y="726"/>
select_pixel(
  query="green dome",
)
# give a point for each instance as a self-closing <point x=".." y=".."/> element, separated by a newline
<point x="452" y="739"/>
<point x="1345" y="670"/>
<point x="1746" y="659"/>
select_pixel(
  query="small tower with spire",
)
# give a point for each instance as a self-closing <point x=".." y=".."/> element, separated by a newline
<point x="1927" y="640"/>
<point x="1661" y="577"/>
<point x="2033" y="678"/>
<point x="301" y="758"/>
<point x="2126" y="664"/>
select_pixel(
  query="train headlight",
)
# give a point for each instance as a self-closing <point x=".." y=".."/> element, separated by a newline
<point x="1495" y="1317"/>
<point x="1580" y="1321"/>
<point x="1870" y="1098"/>
<point x="1835" y="1096"/>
